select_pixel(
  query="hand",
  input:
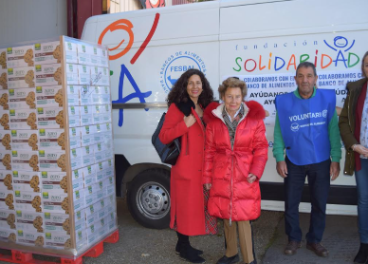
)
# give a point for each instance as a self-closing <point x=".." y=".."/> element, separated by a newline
<point x="281" y="168"/>
<point x="189" y="120"/>
<point x="251" y="178"/>
<point x="334" y="170"/>
<point x="361" y="150"/>
<point x="207" y="186"/>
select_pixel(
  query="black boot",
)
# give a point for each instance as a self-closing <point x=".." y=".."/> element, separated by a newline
<point x="189" y="255"/>
<point x="184" y="240"/>
<point x="362" y="256"/>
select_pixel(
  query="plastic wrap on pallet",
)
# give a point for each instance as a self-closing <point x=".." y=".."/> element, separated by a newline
<point x="57" y="185"/>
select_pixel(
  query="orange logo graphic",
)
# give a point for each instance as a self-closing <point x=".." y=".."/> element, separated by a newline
<point x="122" y="24"/>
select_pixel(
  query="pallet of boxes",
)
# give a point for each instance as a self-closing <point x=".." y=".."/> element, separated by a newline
<point x="57" y="177"/>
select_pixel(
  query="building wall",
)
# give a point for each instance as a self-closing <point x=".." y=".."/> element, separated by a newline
<point x="24" y="20"/>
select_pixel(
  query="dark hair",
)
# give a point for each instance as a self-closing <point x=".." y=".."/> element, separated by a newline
<point x="179" y="92"/>
<point x="365" y="55"/>
<point x="307" y="64"/>
<point x="232" y="82"/>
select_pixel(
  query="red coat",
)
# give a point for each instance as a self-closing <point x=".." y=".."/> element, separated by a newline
<point x="231" y="196"/>
<point x="187" y="200"/>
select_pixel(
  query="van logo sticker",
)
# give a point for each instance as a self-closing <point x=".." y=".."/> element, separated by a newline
<point x="126" y="25"/>
<point x="176" y="64"/>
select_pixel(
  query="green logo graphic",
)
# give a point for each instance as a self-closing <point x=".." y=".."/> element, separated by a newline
<point x="14" y="133"/>
<point x="11" y="92"/>
<point x="19" y="213"/>
<point x="10" y="71"/>
<point x="40" y="110"/>
<point x="41" y="153"/>
<point x="9" y="50"/>
<point x="45" y="195"/>
<point x="47" y="216"/>
<point x="15" y="174"/>
<point x="14" y="153"/>
<point x="17" y="193"/>
<point x="42" y="132"/>
<point x="44" y="174"/>
<point x="38" y="68"/>
<point x="20" y="233"/>
<point x="38" y="46"/>
<point x="48" y="235"/>
<point x="12" y="112"/>
<point x="39" y="89"/>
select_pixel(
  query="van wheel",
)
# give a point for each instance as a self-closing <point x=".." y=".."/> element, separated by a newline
<point x="148" y="198"/>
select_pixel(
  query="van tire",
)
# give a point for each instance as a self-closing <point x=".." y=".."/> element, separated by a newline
<point x="148" y="198"/>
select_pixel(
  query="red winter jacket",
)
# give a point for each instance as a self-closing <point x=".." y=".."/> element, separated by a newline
<point x="231" y="196"/>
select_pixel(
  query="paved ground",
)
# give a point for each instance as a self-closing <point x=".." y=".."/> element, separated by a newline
<point x="139" y="245"/>
<point x="340" y="238"/>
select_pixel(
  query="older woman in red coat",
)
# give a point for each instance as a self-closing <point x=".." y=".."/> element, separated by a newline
<point x="187" y="99"/>
<point x="235" y="158"/>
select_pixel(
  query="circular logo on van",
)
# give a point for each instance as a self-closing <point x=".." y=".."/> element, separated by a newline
<point x="294" y="127"/>
<point x="176" y="64"/>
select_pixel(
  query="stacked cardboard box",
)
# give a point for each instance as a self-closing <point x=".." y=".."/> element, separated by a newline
<point x="57" y="179"/>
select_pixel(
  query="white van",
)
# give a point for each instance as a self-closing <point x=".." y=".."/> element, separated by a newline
<point x="259" y="41"/>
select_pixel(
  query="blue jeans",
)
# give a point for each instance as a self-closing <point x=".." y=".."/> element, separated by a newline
<point x="362" y="188"/>
<point x="319" y="184"/>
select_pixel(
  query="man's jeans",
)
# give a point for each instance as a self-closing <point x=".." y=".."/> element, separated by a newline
<point x="362" y="187"/>
<point x="319" y="184"/>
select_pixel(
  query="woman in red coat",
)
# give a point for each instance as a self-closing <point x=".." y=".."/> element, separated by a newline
<point x="235" y="157"/>
<point x="187" y="99"/>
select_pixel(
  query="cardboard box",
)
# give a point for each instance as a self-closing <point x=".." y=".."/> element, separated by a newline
<point x="51" y="160"/>
<point x="6" y="180"/>
<point x="5" y="160"/>
<point x="20" y="56"/>
<point x="55" y="201"/>
<point x="28" y="201"/>
<point x="29" y="238"/>
<point x="54" y="181"/>
<point x="24" y="139"/>
<point x="49" y="96"/>
<point x="49" y="75"/>
<point x="8" y="235"/>
<point x="3" y="60"/>
<point x="7" y="199"/>
<point x="25" y="160"/>
<point x="50" y="117"/>
<point x="4" y="98"/>
<point x="71" y="52"/>
<point x="7" y="219"/>
<point x="27" y="181"/>
<point x="73" y="94"/>
<point x="84" y="75"/>
<point x="75" y="140"/>
<point x="57" y="240"/>
<point x="21" y="77"/>
<point x="3" y="79"/>
<point x="86" y="92"/>
<point x="74" y="113"/>
<point x="79" y="215"/>
<point x="22" y="98"/>
<point x="53" y="139"/>
<point x="71" y="74"/>
<point x="86" y="115"/>
<point x="87" y="135"/>
<point x="4" y="120"/>
<point x="88" y="156"/>
<point x="23" y="118"/>
<point x="5" y="140"/>
<point x="76" y="158"/>
<point x="47" y="53"/>
<point x="56" y="222"/>
<point x="30" y="221"/>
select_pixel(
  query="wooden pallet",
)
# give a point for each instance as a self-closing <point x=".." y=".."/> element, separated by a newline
<point x="27" y="258"/>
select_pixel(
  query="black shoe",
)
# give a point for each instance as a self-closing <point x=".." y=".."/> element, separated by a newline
<point x="362" y="256"/>
<point x="187" y="253"/>
<point x="178" y="247"/>
<point x="227" y="260"/>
